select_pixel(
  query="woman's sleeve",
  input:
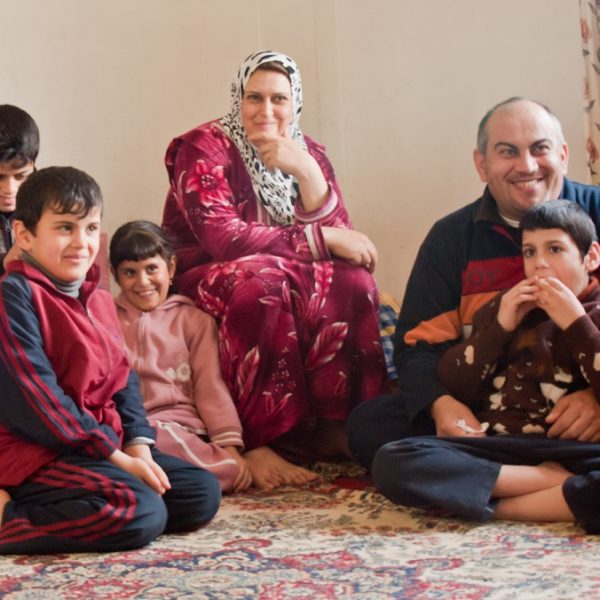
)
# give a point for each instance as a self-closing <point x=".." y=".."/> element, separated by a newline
<point x="466" y="368"/>
<point x="211" y="396"/>
<point x="211" y="197"/>
<point x="332" y="213"/>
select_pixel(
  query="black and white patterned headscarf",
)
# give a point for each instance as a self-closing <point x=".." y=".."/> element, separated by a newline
<point x="276" y="190"/>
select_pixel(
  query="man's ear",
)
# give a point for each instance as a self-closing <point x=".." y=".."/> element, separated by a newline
<point x="564" y="157"/>
<point x="23" y="237"/>
<point x="592" y="258"/>
<point x="479" y="160"/>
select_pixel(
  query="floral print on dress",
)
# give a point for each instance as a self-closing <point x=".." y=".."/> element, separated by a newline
<point x="209" y="183"/>
<point x="299" y="337"/>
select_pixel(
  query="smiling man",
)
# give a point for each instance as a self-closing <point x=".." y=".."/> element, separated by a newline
<point x="466" y="259"/>
<point x="522" y="155"/>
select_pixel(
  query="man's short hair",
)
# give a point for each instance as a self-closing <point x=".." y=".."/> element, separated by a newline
<point x="64" y="189"/>
<point x="482" y="133"/>
<point x="19" y="136"/>
<point x="565" y="215"/>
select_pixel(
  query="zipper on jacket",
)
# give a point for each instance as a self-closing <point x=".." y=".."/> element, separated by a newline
<point x="94" y="324"/>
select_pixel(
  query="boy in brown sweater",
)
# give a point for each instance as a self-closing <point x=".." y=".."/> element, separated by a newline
<point x="530" y="346"/>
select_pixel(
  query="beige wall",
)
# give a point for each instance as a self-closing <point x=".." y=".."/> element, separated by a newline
<point x="394" y="88"/>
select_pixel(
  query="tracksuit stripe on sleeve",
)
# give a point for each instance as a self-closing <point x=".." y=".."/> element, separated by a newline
<point x="39" y="397"/>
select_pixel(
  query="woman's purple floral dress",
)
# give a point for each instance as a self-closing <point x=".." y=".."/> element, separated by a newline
<point x="299" y="335"/>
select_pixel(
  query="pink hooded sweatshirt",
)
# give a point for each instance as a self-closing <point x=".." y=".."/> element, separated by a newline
<point x="174" y="351"/>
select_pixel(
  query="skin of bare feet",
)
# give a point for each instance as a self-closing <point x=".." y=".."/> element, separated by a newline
<point x="270" y="471"/>
<point x="545" y="505"/>
<point x="560" y="472"/>
<point x="4" y="500"/>
<point x="517" y="480"/>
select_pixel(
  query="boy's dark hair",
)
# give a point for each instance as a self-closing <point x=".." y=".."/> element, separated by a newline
<point x="139" y="240"/>
<point x="565" y="215"/>
<point x="19" y="136"/>
<point x="64" y="189"/>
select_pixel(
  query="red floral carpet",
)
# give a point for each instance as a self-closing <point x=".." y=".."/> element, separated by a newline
<point x="333" y="539"/>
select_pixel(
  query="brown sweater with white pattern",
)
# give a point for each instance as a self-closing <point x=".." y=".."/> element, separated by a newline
<point x="513" y="380"/>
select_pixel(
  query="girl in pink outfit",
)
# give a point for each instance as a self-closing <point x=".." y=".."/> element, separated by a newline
<point x="174" y="350"/>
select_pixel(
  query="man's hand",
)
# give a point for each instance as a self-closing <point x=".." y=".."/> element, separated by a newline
<point x="575" y="417"/>
<point x="517" y="302"/>
<point x="446" y="411"/>
<point x="138" y="461"/>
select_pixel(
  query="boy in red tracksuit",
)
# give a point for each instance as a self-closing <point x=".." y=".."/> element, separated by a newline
<point x="77" y="462"/>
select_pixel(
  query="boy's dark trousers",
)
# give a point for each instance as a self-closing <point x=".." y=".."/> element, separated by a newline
<point x="459" y="473"/>
<point x="80" y="504"/>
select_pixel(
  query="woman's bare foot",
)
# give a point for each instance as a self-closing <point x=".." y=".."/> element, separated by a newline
<point x="270" y="471"/>
<point x="4" y="500"/>
<point x="329" y="439"/>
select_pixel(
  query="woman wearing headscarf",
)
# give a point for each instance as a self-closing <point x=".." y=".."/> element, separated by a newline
<point x="266" y="246"/>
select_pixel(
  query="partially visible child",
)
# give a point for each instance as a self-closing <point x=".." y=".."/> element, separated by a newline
<point x="19" y="146"/>
<point x="76" y="450"/>
<point x="173" y="347"/>
<point x="530" y="346"/>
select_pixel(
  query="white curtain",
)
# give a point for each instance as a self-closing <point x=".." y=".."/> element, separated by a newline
<point x="589" y="11"/>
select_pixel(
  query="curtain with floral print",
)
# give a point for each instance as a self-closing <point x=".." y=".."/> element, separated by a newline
<point x="589" y="11"/>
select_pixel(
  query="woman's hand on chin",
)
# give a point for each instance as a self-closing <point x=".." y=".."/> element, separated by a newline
<point x="281" y="152"/>
<point x="353" y="246"/>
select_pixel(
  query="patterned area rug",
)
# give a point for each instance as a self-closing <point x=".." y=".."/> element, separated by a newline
<point x="333" y="539"/>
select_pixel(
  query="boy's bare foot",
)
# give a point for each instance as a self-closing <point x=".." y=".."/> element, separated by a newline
<point x="329" y="439"/>
<point x="518" y="480"/>
<point x="544" y="505"/>
<point x="4" y="500"/>
<point x="270" y="471"/>
<point x="556" y="473"/>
